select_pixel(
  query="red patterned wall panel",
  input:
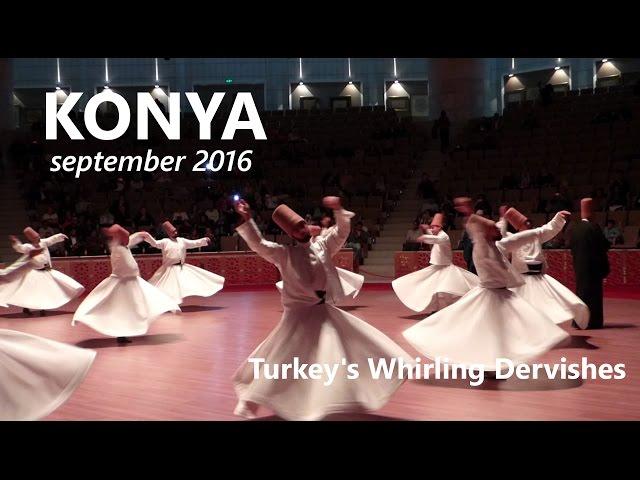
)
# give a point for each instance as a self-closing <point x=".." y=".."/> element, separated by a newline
<point x="617" y="265"/>
<point x="458" y="259"/>
<point x="242" y="268"/>
<point x="625" y="266"/>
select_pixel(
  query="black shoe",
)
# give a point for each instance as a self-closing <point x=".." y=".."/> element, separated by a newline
<point x="26" y="311"/>
<point x="123" y="340"/>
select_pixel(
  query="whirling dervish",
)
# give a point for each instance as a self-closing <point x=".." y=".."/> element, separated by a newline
<point x="441" y="283"/>
<point x="37" y="375"/>
<point x="123" y="304"/>
<point x="351" y="282"/>
<point x="38" y="286"/>
<point x="312" y="329"/>
<point x="527" y="256"/>
<point x="490" y="321"/>
<point x="177" y="278"/>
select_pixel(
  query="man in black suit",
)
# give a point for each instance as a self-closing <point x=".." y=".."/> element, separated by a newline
<point x="590" y="262"/>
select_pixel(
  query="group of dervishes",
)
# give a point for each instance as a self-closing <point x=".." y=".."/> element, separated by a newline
<point x="479" y="318"/>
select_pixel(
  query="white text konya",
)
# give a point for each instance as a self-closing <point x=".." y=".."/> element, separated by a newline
<point x="147" y="104"/>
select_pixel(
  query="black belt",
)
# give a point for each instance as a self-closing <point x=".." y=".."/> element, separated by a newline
<point x="45" y="268"/>
<point x="535" y="269"/>
<point x="179" y="263"/>
<point x="321" y="295"/>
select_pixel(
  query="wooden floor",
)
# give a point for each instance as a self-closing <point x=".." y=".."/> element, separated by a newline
<point x="182" y="369"/>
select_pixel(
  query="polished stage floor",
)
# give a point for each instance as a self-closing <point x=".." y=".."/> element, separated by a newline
<point x="182" y="369"/>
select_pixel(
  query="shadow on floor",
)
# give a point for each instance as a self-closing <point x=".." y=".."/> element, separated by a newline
<point x="338" y="417"/>
<point x="135" y="341"/>
<point x="619" y="325"/>
<point x="579" y="341"/>
<point x="419" y="316"/>
<point x="542" y="383"/>
<point x="200" y="308"/>
<point x="35" y="314"/>
<point x="349" y="308"/>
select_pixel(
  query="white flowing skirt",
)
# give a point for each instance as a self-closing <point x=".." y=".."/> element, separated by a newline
<point x="181" y="281"/>
<point x="485" y="324"/>
<point x="123" y="306"/>
<point x="38" y="375"/>
<point x="557" y="301"/>
<point x="39" y="289"/>
<point x="351" y="282"/>
<point x="320" y="334"/>
<point x="434" y="287"/>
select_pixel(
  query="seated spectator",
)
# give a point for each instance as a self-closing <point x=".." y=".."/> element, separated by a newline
<point x="75" y="247"/>
<point x="212" y="214"/>
<point x="214" y="242"/>
<point x="122" y="216"/>
<point x="270" y="202"/>
<point x="411" y="242"/>
<point x="50" y="217"/>
<point x="46" y="230"/>
<point x="362" y="235"/>
<point x="95" y="246"/>
<point x="558" y="203"/>
<point x="326" y="222"/>
<point x="106" y="219"/>
<point x="82" y="205"/>
<point x="483" y="204"/>
<point x="612" y="233"/>
<point x="137" y="184"/>
<point x="70" y="222"/>
<point x="120" y="185"/>
<point x="180" y="215"/>
<point x="144" y="221"/>
<point x="353" y="242"/>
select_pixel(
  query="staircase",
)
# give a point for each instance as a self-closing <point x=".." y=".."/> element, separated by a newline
<point x="379" y="265"/>
<point x="13" y="215"/>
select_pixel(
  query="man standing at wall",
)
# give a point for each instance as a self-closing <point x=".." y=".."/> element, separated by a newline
<point x="590" y="262"/>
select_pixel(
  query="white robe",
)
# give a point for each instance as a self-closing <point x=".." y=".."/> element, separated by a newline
<point x="438" y="285"/>
<point x="541" y="290"/>
<point x="177" y="278"/>
<point x="38" y="375"/>
<point x="351" y="282"/>
<point x="490" y="321"/>
<point x="314" y="332"/>
<point x="123" y="304"/>
<point x="39" y="287"/>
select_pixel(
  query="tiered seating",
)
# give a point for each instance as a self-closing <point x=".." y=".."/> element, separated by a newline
<point x="364" y="154"/>
<point x="584" y="140"/>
